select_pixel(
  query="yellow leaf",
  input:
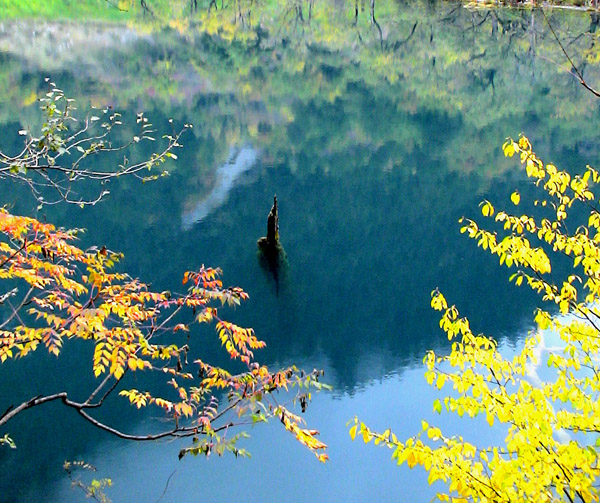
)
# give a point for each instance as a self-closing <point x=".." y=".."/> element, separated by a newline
<point x="411" y="459"/>
<point x="440" y="381"/>
<point x="509" y="149"/>
<point x="487" y="210"/>
<point x="515" y="197"/>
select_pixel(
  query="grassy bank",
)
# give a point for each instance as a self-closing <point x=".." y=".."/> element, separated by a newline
<point x="122" y="10"/>
<point x="100" y="10"/>
<point x="63" y="9"/>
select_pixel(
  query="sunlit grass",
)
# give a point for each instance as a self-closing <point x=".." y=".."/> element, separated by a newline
<point x="62" y="9"/>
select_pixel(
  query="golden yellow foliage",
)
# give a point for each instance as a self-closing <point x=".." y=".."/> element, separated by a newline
<point x="535" y="462"/>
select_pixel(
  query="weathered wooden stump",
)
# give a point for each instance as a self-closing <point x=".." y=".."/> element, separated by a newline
<point x="272" y="254"/>
<point x="270" y="244"/>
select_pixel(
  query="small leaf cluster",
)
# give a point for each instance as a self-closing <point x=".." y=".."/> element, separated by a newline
<point x="95" y="489"/>
<point x="66" y="151"/>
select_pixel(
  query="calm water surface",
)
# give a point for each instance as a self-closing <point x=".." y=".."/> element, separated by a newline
<point x="374" y="152"/>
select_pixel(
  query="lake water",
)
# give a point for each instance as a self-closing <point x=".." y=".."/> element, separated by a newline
<point x="376" y="138"/>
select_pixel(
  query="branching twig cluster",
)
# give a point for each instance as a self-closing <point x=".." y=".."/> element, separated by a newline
<point x="67" y="150"/>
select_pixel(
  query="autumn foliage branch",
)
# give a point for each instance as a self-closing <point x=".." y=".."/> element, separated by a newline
<point x="73" y="294"/>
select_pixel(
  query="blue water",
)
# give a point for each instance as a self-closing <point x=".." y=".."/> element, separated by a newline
<point x="370" y="184"/>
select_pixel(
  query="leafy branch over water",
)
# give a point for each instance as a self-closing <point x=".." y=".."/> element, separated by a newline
<point x="68" y="150"/>
<point x="550" y="420"/>
<point x="56" y="292"/>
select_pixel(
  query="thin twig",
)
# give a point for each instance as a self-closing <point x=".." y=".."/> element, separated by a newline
<point x="573" y="67"/>
<point x="166" y="486"/>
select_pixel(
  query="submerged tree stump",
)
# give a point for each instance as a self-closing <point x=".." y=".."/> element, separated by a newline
<point x="270" y="244"/>
<point x="272" y="254"/>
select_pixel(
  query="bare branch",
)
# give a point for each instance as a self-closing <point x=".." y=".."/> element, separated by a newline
<point x="38" y="400"/>
<point x="574" y="70"/>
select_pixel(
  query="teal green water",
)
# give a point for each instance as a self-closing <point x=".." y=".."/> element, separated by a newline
<point x="374" y="150"/>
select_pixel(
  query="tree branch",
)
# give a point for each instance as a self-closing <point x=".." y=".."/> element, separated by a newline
<point x="80" y="407"/>
<point x="38" y="400"/>
<point x="575" y="71"/>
